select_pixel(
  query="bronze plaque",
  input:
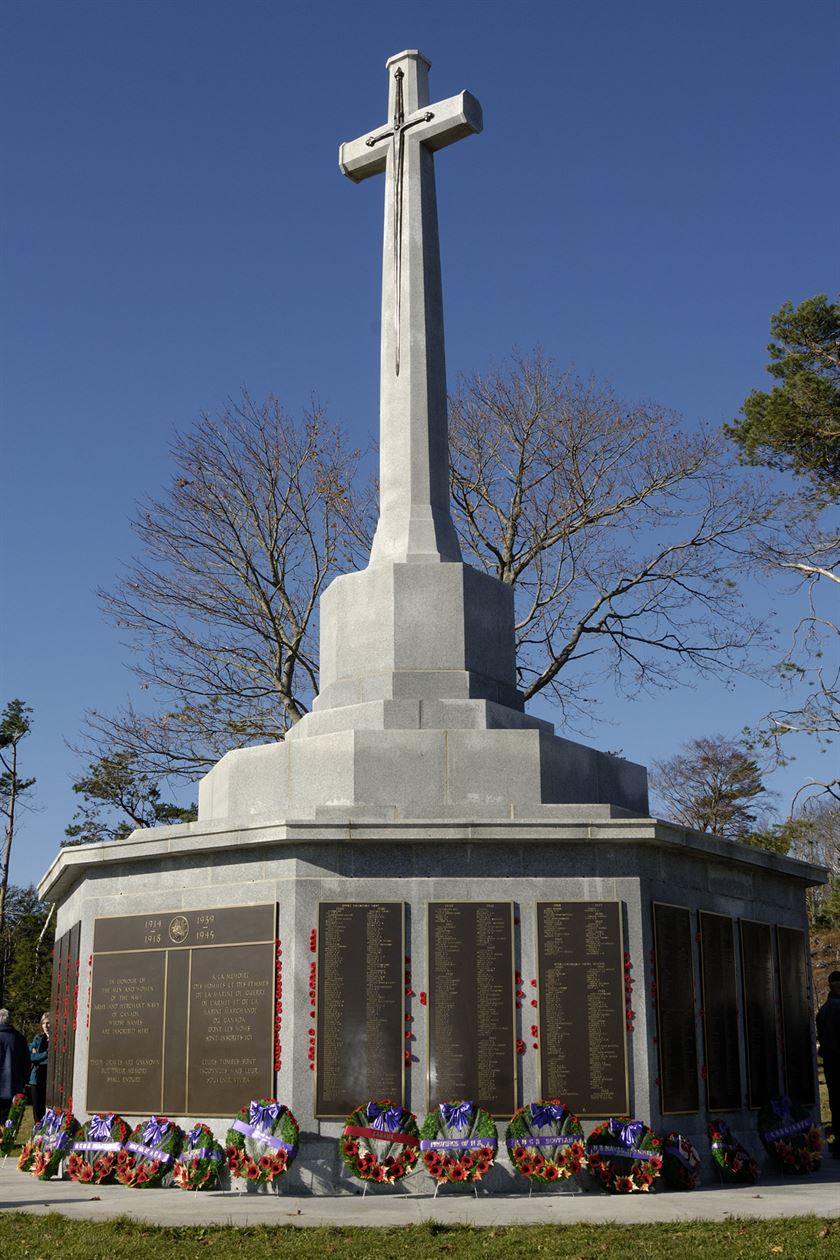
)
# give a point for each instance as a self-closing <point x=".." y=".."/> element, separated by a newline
<point x="721" y="1038"/>
<point x="797" y="1043"/>
<point x="583" y="1052"/>
<point x="162" y="987"/>
<point x="675" y="1017"/>
<point x="360" y="1033"/>
<point x="64" y="1001"/>
<point x="760" y="1012"/>
<point x="472" y="1030"/>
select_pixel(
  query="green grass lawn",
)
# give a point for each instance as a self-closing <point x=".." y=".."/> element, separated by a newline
<point x="27" y="1237"/>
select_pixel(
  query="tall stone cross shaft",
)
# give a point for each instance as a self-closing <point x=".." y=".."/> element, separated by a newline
<point x="415" y="523"/>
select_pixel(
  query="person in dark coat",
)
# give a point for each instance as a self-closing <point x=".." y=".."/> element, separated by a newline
<point x="39" y="1048"/>
<point x="828" y="1036"/>
<point x="14" y="1063"/>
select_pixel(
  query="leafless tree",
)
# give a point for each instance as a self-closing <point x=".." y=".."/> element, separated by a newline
<point x="713" y="785"/>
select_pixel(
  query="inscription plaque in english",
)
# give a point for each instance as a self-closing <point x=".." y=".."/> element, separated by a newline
<point x="679" y="1090"/>
<point x="720" y="1012"/>
<point x="360" y="1029"/>
<point x="125" y="1056"/>
<point x="231" y="1024"/>
<point x="580" y="960"/>
<point x="760" y="1012"/>
<point x="471" y="1013"/>
<point x="797" y="1044"/>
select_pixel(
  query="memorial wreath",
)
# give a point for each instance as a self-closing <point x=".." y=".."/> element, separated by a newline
<point x="262" y="1141"/>
<point x="380" y="1141"/>
<point x="624" y="1155"/>
<point x="93" y="1155"/>
<point x="680" y="1162"/>
<point x="730" y="1158"/>
<point x="790" y="1135"/>
<point x="12" y="1123"/>
<point x="149" y="1155"/>
<point x="458" y="1142"/>
<point x="48" y="1142"/>
<point x="201" y="1158"/>
<point x="546" y="1141"/>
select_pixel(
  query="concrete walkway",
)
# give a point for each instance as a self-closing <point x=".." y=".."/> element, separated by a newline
<point x="773" y="1197"/>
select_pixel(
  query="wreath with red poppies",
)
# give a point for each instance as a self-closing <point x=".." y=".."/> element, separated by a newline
<point x="546" y="1141"/>
<point x="680" y="1162"/>
<point x="12" y="1123"/>
<point x="789" y="1134"/>
<point x="93" y="1155"/>
<point x="201" y="1158"/>
<point x="458" y="1142"/>
<point x="380" y="1142"/>
<point x="262" y="1141"/>
<point x="624" y="1155"/>
<point x="148" y="1157"/>
<point x="732" y="1161"/>
<point x="48" y="1143"/>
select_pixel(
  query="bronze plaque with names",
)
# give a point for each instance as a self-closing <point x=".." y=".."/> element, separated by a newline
<point x="720" y="1012"/>
<point x="360" y="1029"/>
<point x="580" y="958"/>
<point x="63" y="1011"/>
<point x="471" y="1012"/>
<point x="797" y="1044"/>
<point x="676" y="1023"/>
<point x="182" y="1011"/>
<point x="760" y="1012"/>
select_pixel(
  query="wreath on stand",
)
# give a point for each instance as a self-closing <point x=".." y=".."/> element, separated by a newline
<point x="380" y="1142"/>
<point x="546" y="1141"/>
<point x="790" y="1135"/>
<point x="262" y="1141"/>
<point x="46" y="1148"/>
<point x="93" y="1156"/>
<point x="732" y="1161"/>
<point x="12" y="1123"/>
<point x="680" y="1162"/>
<point x="624" y="1155"/>
<point x="459" y="1142"/>
<point x="149" y="1155"/>
<point x="201" y="1158"/>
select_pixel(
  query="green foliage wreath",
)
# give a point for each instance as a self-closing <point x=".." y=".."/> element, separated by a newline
<point x="149" y="1155"/>
<point x="48" y="1144"/>
<point x="624" y="1155"/>
<point x="458" y="1142"/>
<point x="12" y="1123"/>
<point x="380" y="1142"/>
<point x="546" y="1141"/>
<point x="94" y="1153"/>
<point x="201" y="1158"/>
<point x="262" y="1141"/>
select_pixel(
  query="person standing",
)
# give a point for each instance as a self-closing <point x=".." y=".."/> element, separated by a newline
<point x="14" y="1063"/>
<point x="828" y="1036"/>
<point x="39" y="1049"/>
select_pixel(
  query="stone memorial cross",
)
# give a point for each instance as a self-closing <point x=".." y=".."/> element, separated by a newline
<point x="415" y="524"/>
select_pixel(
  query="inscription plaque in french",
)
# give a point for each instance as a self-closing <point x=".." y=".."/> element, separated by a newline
<point x="471" y="1011"/>
<point x="759" y="1012"/>
<point x="360" y="1045"/>
<point x="721" y="1038"/>
<point x="580" y="958"/>
<point x="679" y="1090"/>
<point x="798" y="1057"/>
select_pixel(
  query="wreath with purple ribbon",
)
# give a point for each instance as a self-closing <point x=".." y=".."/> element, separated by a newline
<point x="12" y="1123"/>
<point x="546" y="1141"/>
<point x="148" y="1157"/>
<point x="48" y="1143"/>
<point x="458" y="1142"/>
<point x="93" y="1154"/>
<point x="380" y="1142"/>
<point x="680" y="1162"/>
<point x="262" y="1141"/>
<point x="624" y="1155"/>
<point x="732" y="1161"/>
<point x="789" y="1134"/>
<point x="200" y="1161"/>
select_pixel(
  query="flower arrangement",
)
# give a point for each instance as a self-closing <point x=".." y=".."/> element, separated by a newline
<point x="149" y="1154"/>
<point x="624" y="1155"/>
<point x="380" y="1142"/>
<point x="262" y="1141"/>
<point x="546" y="1141"/>
<point x="790" y="1135"/>
<point x="197" y="1167"/>
<point x="93" y="1156"/>
<point x="458" y="1141"/>
<point x="680" y="1162"/>
<point x="11" y="1125"/>
<point x="730" y="1158"/>
<point x="47" y="1145"/>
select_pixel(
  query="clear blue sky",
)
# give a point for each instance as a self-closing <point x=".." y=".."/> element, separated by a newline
<point x="653" y="180"/>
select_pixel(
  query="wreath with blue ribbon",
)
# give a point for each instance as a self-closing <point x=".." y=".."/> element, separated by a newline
<point x="458" y="1142"/>
<point x="546" y="1141"/>
<point x="48" y="1143"/>
<point x="93" y="1154"/>
<point x="262" y="1141"/>
<point x="624" y="1155"/>
<point x="201" y="1158"/>
<point x="732" y="1161"/>
<point x="380" y="1142"/>
<point x="789" y="1134"/>
<point x="148" y="1157"/>
<point x="12" y="1123"/>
